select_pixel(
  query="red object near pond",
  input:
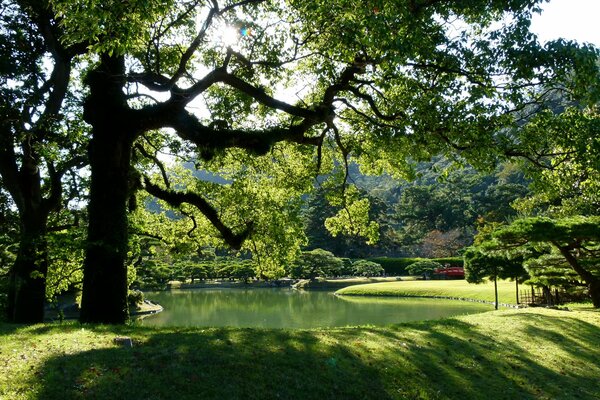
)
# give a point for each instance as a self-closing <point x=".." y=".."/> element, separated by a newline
<point x="449" y="273"/>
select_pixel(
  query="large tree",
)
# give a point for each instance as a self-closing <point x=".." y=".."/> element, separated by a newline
<point x="37" y="146"/>
<point x="575" y="241"/>
<point x="386" y="82"/>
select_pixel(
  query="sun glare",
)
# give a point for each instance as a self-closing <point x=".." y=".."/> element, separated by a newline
<point x="228" y="36"/>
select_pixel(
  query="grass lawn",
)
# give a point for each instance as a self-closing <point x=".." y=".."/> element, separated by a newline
<point x="338" y="283"/>
<point x="452" y="288"/>
<point x="507" y="354"/>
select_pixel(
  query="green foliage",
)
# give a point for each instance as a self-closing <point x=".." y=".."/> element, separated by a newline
<point x="389" y="100"/>
<point x="113" y="26"/>
<point x="318" y="210"/>
<point x="263" y="192"/>
<point x="450" y="261"/>
<point x="236" y="269"/>
<point x="398" y="266"/>
<point x="423" y="267"/>
<point x="135" y="297"/>
<point x="314" y="263"/>
<point x="153" y="275"/>
<point x="353" y="218"/>
<point x="66" y="254"/>
<point x="551" y="246"/>
<point x="482" y="263"/>
<point x="545" y="229"/>
<point x="8" y="249"/>
<point x="367" y="268"/>
<point x="394" y="266"/>
<point x="570" y="185"/>
<point x="438" y="212"/>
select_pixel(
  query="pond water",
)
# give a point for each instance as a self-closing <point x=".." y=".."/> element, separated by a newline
<point x="288" y="308"/>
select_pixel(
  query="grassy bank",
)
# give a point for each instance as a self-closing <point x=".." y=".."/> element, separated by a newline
<point x="525" y="354"/>
<point x="338" y="283"/>
<point x="454" y="288"/>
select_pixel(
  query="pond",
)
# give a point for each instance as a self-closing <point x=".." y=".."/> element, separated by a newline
<point x="288" y="308"/>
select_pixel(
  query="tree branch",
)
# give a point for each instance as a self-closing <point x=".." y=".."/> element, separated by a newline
<point x="176" y="198"/>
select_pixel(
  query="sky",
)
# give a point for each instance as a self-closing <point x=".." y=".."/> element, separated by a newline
<point x="569" y="19"/>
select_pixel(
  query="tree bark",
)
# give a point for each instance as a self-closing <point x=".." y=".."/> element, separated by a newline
<point x="495" y="292"/>
<point x="595" y="293"/>
<point x="104" y="298"/>
<point x="589" y="278"/>
<point x="27" y="277"/>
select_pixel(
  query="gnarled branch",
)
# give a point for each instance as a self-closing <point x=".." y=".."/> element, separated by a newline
<point x="177" y="198"/>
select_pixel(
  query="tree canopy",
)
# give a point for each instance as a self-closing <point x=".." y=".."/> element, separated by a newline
<point x="545" y="244"/>
<point x="270" y="93"/>
<point x="42" y="142"/>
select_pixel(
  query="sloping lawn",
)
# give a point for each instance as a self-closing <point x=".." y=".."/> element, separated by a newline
<point x="451" y="288"/>
<point x="507" y="354"/>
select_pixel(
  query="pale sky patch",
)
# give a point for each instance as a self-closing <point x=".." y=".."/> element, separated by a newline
<point x="569" y="19"/>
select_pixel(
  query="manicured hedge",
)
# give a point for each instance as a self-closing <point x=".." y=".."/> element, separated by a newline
<point x="452" y="261"/>
<point x="397" y="266"/>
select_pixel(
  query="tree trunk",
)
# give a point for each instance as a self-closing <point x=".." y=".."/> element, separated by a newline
<point x="27" y="278"/>
<point x="595" y="293"/>
<point x="589" y="278"/>
<point x="547" y="295"/>
<point x="104" y="297"/>
<point x="496" y="292"/>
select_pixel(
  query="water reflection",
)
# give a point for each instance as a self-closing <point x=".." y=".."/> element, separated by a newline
<point x="287" y="308"/>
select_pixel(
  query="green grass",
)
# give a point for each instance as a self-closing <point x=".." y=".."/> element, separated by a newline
<point x="507" y="354"/>
<point x="337" y="283"/>
<point x="452" y="288"/>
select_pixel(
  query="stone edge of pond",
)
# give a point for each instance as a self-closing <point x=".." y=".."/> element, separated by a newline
<point x="71" y="313"/>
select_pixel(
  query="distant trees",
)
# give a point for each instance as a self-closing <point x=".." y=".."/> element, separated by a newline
<point x="438" y="213"/>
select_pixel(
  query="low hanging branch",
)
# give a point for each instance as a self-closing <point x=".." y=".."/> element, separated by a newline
<point x="176" y="198"/>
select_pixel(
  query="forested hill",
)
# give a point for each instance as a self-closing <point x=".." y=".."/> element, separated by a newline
<point x="434" y="215"/>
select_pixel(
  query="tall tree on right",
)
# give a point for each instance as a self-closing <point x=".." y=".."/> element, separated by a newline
<point x="575" y="240"/>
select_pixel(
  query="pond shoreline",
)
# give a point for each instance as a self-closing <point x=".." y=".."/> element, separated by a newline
<point x="303" y="284"/>
<point x="517" y="306"/>
<point x="71" y="311"/>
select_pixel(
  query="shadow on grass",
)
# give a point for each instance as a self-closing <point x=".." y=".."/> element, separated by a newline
<point x="452" y="359"/>
<point x="8" y="328"/>
<point x="445" y="359"/>
<point x="216" y="364"/>
<point x="576" y="337"/>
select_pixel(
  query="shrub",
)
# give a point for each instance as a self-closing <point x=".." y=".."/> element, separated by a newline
<point x="367" y="268"/>
<point x="450" y="261"/>
<point x="423" y="267"/>
<point x="317" y="262"/>
<point x="394" y="266"/>
<point x="135" y="297"/>
<point x="398" y="266"/>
